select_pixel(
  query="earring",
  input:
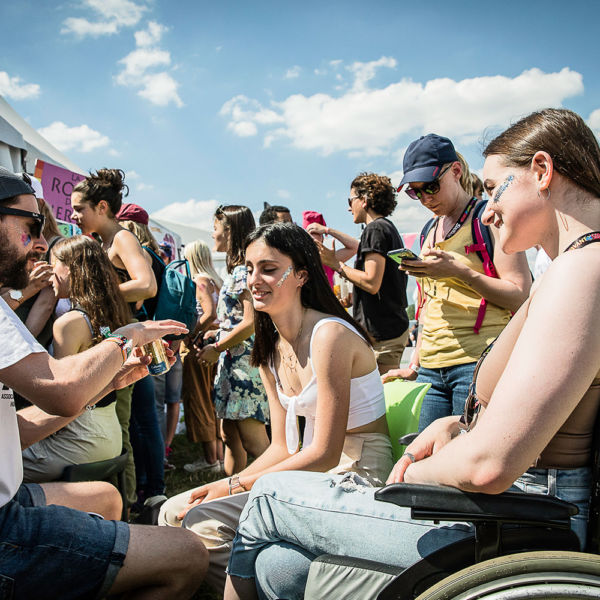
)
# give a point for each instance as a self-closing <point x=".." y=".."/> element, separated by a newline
<point x="547" y="197"/>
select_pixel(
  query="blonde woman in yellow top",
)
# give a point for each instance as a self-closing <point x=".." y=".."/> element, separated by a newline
<point x="465" y="304"/>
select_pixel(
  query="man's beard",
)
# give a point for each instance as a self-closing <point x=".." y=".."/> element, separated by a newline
<point x="14" y="271"/>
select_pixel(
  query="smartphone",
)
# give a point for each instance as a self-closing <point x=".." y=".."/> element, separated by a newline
<point x="200" y="342"/>
<point x="400" y="253"/>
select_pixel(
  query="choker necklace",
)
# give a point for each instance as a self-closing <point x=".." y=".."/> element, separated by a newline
<point x="291" y="360"/>
<point x="584" y="240"/>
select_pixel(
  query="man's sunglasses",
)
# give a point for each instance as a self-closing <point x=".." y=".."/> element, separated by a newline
<point x="39" y="220"/>
<point x="431" y="188"/>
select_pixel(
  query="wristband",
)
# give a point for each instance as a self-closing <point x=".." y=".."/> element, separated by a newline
<point x="413" y="367"/>
<point x="216" y="346"/>
<point x="125" y="345"/>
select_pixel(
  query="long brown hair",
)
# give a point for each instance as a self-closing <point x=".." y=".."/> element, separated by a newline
<point x="239" y="221"/>
<point x="93" y="283"/>
<point x="561" y="133"/>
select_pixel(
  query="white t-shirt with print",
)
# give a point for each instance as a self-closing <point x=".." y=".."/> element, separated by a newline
<point x="16" y="342"/>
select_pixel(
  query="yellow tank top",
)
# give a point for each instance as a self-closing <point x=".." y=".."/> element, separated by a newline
<point x="451" y="308"/>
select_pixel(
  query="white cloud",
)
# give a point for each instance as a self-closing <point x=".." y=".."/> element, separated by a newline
<point x="293" y="72"/>
<point x="246" y="114"/>
<point x="138" y="72"/>
<point x="284" y="194"/>
<point x="129" y="175"/>
<point x="140" y="187"/>
<point x="80" y="139"/>
<point x="197" y="213"/>
<point x="335" y="63"/>
<point x="112" y="16"/>
<point x="371" y="121"/>
<point x="243" y="128"/>
<point x="364" y="72"/>
<point x="151" y="36"/>
<point x="594" y="121"/>
<point x="320" y="71"/>
<point x="13" y="87"/>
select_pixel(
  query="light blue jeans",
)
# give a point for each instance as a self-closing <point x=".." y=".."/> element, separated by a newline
<point x="293" y="517"/>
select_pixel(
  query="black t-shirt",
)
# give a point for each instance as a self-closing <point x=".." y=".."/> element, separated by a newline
<point x="382" y="314"/>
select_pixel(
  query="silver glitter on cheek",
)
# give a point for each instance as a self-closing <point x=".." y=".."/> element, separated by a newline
<point x="284" y="276"/>
<point x="502" y="188"/>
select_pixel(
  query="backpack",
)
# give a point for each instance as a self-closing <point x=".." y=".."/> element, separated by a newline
<point x="483" y="246"/>
<point x="176" y="297"/>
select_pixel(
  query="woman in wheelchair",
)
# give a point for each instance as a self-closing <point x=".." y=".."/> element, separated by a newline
<point x="528" y="425"/>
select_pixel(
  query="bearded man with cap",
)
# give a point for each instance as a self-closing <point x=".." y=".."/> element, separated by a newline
<point x="463" y="307"/>
<point x="49" y="548"/>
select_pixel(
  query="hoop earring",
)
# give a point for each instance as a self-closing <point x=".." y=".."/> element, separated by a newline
<point x="547" y="197"/>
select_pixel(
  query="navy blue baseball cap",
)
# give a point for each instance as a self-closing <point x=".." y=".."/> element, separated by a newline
<point x="12" y="185"/>
<point x="425" y="157"/>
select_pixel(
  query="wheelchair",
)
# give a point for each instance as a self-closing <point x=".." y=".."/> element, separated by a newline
<point x="523" y="548"/>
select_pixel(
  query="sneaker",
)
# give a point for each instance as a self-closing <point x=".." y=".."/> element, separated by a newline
<point x="201" y="465"/>
<point x="168" y="466"/>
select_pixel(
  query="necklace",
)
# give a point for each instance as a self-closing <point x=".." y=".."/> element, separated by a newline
<point x="584" y="240"/>
<point x="291" y="360"/>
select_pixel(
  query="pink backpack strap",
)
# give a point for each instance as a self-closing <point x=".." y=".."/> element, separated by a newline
<point x="488" y="267"/>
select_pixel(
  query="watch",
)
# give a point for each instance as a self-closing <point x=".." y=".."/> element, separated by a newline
<point x="234" y="483"/>
<point x="16" y="295"/>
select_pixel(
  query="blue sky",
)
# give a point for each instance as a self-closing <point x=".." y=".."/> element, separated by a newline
<point x="240" y="102"/>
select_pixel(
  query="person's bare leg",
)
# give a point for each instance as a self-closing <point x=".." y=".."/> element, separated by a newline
<point x="210" y="451"/>
<point x="89" y="496"/>
<point x="235" y="454"/>
<point x="161" y="562"/>
<point x="254" y="436"/>
<point x="238" y="588"/>
<point x="172" y="420"/>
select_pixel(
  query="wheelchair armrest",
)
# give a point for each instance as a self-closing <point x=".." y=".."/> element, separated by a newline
<point x="441" y="503"/>
<point x="407" y="439"/>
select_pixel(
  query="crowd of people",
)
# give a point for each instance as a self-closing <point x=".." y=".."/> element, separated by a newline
<point x="282" y="382"/>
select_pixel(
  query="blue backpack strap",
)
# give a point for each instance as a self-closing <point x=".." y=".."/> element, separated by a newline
<point x="425" y="231"/>
<point x="177" y="263"/>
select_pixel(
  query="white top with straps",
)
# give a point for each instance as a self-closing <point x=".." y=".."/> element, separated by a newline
<point x="366" y="398"/>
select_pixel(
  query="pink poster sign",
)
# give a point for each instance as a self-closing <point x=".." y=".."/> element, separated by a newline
<point x="58" y="184"/>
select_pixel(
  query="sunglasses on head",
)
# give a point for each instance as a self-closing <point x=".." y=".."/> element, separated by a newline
<point x="431" y="188"/>
<point x="39" y="219"/>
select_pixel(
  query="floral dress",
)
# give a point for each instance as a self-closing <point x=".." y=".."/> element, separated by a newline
<point x="239" y="393"/>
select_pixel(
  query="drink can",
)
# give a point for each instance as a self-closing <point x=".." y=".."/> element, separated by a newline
<point x="160" y="363"/>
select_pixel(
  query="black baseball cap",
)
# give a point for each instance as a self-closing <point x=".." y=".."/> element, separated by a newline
<point x="425" y="157"/>
<point x="12" y="185"/>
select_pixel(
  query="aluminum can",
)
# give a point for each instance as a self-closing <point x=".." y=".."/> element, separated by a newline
<point x="160" y="363"/>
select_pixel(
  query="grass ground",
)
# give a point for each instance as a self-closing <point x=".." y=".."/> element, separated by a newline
<point x="178" y="481"/>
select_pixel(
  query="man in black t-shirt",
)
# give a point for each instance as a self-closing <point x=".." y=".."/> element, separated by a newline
<point x="379" y="298"/>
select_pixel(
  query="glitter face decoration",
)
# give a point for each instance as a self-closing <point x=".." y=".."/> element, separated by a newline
<point x="25" y="239"/>
<point x="502" y="188"/>
<point x="284" y="276"/>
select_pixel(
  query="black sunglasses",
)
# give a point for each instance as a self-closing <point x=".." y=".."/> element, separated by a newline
<point x="36" y="228"/>
<point x="431" y="188"/>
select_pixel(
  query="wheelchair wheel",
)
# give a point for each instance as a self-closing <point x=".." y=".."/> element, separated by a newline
<point x="530" y="575"/>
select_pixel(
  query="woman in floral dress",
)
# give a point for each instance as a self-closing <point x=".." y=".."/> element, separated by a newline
<point x="240" y="398"/>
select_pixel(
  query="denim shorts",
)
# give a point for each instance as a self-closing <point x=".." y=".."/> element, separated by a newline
<point x="56" y="552"/>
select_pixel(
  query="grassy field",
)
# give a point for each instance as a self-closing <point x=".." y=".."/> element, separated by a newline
<point x="178" y="480"/>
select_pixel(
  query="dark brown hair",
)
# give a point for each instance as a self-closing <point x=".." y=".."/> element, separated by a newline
<point x="239" y="221"/>
<point x="105" y="184"/>
<point x="316" y="293"/>
<point x="561" y="133"/>
<point x="378" y="192"/>
<point x="94" y="286"/>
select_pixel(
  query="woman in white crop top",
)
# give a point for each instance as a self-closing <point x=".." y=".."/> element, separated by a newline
<point x="314" y="361"/>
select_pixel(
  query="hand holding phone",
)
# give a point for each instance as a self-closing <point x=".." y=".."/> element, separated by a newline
<point x="402" y="253"/>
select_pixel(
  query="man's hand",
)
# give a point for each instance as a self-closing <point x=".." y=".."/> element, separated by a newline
<point x="136" y="368"/>
<point x="148" y="331"/>
<point x="439" y="264"/>
<point x="316" y="228"/>
<point x="40" y="275"/>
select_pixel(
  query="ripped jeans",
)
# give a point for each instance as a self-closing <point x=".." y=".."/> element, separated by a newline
<point x="292" y="517"/>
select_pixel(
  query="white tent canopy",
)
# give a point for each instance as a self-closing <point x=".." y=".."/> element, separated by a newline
<point x="21" y="145"/>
